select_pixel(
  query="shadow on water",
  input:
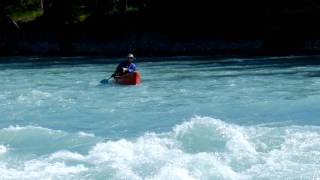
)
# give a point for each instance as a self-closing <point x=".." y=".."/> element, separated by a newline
<point x="38" y="63"/>
<point x="312" y="74"/>
<point x="186" y="62"/>
<point x="236" y="66"/>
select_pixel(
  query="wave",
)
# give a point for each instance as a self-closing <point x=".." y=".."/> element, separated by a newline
<point x="41" y="141"/>
<point x="201" y="148"/>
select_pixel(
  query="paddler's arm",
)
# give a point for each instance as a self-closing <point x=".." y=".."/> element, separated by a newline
<point x="117" y="71"/>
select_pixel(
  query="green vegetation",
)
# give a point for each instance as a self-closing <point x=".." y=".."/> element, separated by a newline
<point x="228" y="19"/>
<point x="281" y="25"/>
<point x="22" y="10"/>
<point x="70" y="11"/>
<point x="132" y="9"/>
<point x="25" y="16"/>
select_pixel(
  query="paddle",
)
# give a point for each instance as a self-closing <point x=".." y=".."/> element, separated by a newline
<point x="106" y="81"/>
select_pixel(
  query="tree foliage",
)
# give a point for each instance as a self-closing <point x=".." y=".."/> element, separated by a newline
<point x="208" y="16"/>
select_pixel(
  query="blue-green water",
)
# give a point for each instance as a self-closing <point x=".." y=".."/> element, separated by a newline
<point x="191" y="118"/>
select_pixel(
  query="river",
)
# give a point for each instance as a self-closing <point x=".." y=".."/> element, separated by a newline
<point x="191" y="118"/>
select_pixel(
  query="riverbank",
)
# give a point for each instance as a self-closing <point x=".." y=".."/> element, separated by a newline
<point x="54" y="28"/>
<point x="143" y="48"/>
<point x="79" y="40"/>
<point x="39" y="38"/>
<point x="112" y="44"/>
<point x="152" y="48"/>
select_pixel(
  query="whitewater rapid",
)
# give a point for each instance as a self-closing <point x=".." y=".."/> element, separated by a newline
<point x="201" y="148"/>
<point x="191" y="118"/>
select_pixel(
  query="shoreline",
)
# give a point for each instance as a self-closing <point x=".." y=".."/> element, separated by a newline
<point x="71" y="60"/>
<point x="251" y="48"/>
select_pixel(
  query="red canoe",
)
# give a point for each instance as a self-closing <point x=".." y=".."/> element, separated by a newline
<point x="129" y="79"/>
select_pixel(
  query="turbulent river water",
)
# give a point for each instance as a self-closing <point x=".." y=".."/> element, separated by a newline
<point x="191" y="118"/>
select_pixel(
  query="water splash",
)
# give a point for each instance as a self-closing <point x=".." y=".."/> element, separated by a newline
<point x="201" y="148"/>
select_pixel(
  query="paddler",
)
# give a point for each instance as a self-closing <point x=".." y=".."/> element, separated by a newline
<point x="125" y="67"/>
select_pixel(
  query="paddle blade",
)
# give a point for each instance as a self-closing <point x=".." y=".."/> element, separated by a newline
<point x="104" y="81"/>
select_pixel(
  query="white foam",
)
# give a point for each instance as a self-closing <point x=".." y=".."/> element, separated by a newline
<point x="40" y="94"/>
<point x="66" y="155"/>
<point x="36" y="169"/>
<point x="202" y="148"/>
<point x="3" y="149"/>
<point x="31" y="128"/>
<point x="35" y="97"/>
<point x="55" y="169"/>
<point x="152" y="157"/>
<point x="84" y="134"/>
<point x="173" y="173"/>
